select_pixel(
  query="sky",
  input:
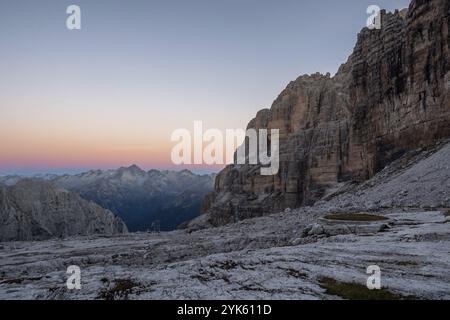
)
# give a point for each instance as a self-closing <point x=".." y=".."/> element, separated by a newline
<point x="111" y="94"/>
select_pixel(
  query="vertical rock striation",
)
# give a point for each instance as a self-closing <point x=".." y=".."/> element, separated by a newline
<point x="391" y="96"/>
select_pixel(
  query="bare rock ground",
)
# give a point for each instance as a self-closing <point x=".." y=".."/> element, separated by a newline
<point x="244" y="261"/>
<point x="306" y="253"/>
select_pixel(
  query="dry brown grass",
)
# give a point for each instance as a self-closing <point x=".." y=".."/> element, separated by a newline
<point x="446" y="212"/>
<point x="120" y="290"/>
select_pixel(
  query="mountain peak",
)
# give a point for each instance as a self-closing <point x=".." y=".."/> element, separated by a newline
<point x="186" y="172"/>
<point x="134" y="169"/>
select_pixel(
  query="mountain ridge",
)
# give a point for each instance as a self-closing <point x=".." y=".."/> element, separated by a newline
<point x="141" y="198"/>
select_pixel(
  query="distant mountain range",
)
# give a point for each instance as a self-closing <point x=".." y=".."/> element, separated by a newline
<point x="141" y="198"/>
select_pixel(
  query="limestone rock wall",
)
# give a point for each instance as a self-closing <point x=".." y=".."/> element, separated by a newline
<point x="391" y="96"/>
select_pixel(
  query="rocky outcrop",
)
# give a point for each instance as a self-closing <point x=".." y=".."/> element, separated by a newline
<point x="392" y="96"/>
<point x="37" y="210"/>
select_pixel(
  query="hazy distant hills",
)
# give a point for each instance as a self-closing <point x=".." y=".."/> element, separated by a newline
<point x="139" y="197"/>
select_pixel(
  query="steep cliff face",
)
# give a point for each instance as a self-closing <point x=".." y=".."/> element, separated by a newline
<point x="37" y="210"/>
<point x="392" y="96"/>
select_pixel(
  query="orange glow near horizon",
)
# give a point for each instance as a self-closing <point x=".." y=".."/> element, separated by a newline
<point x="66" y="148"/>
<point x="54" y="132"/>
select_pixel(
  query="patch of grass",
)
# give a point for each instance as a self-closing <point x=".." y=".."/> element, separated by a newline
<point x="355" y="217"/>
<point x="356" y="291"/>
<point x="446" y="212"/>
<point x="120" y="290"/>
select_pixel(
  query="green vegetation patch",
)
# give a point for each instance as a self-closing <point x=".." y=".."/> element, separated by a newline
<point x="355" y="217"/>
<point x="356" y="291"/>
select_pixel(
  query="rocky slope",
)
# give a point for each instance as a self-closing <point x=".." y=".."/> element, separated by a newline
<point x="392" y="96"/>
<point x="419" y="179"/>
<point x="36" y="210"/>
<point x="283" y="256"/>
<point x="139" y="197"/>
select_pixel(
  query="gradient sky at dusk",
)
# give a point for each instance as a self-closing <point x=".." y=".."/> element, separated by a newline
<point x="111" y="94"/>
